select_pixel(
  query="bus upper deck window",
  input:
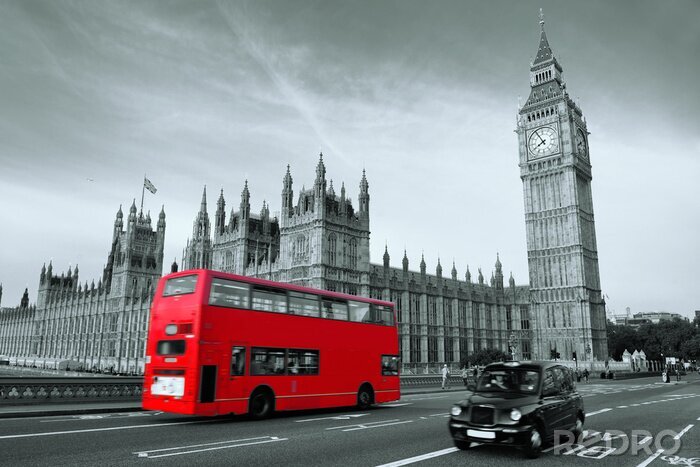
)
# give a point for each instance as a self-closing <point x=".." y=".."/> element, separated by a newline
<point x="180" y="285"/>
<point x="228" y="293"/>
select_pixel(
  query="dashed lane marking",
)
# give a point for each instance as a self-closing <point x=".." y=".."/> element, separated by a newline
<point x="651" y="458"/>
<point x="337" y="417"/>
<point x="597" y="412"/>
<point x="422" y="457"/>
<point x="396" y="405"/>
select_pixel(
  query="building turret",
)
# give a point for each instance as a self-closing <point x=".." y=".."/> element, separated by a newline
<point x="422" y="264"/>
<point x="404" y="262"/>
<point x="320" y="188"/>
<point x="132" y="212"/>
<point x="161" y="220"/>
<point x="198" y="251"/>
<point x="75" y="277"/>
<point x="118" y="223"/>
<point x="24" y="303"/>
<point x="481" y="277"/>
<point x="364" y="195"/>
<point x="245" y="203"/>
<point x="49" y="270"/>
<point x="42" y="277"/>
<point x="511" y="281"/>
<point x="287" y="195"/>
<point x="220" y="219"/>
<point x="468" y="275"/>
<point x="438" y="270"/>
<point x="265" y="218"/>
<point x="454" y="271"/>
<point x="386" y="257"/>
<point x="498" y="278"/>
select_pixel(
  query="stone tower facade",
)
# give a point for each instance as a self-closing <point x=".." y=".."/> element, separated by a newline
<point x="198" y="250"/>
<point x="567" y="308"/>
<point x="101" y="326"/>
<point x="321" y="241"/>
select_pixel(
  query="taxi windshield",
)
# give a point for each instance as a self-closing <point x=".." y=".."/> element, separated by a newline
<point x="509" y="380"/>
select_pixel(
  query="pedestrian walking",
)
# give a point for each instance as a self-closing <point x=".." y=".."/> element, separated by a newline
<point x="445" y="376"/>
<point x="585" y="374"/>
<point x="465" y="376"/>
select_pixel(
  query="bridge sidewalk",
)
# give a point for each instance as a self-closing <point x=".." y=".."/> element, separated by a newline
<point x="87" y="408"/>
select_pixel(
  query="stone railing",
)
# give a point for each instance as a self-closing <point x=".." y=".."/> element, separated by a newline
<point x="38" y="390"/>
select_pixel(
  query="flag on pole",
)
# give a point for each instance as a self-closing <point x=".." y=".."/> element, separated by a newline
<point x="149" y="186"/>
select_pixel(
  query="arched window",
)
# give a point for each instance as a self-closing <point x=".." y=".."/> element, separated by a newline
<point x="228" y="262"/>
<point x="332" y="249"/>
<point x="352" y="254"/>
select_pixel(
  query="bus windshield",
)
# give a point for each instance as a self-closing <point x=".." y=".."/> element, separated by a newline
<point x="180" y="286"/>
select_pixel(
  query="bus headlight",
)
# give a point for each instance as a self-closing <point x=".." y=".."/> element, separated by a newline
<point x="456" y="410"/>
<point x="515" y="415"/>
<point x="171" y="329"/>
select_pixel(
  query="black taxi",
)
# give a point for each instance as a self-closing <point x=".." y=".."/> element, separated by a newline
<point x="519" y="404"/>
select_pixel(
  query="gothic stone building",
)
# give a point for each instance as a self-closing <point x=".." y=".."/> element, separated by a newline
<point x="322" y="242"/>
<point x="99" y="326"/>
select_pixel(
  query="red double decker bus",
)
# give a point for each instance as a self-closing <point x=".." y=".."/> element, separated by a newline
<point x="220" y="343"/>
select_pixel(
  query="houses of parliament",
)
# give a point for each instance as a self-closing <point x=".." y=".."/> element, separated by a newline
<point x="320" y="239"/>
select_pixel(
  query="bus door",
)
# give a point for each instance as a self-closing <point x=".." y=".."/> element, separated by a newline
<point x="209" y="369"/>
<point x="237" y="387"/>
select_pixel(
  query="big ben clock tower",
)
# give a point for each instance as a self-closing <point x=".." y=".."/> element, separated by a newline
<point x="565" y="297"/>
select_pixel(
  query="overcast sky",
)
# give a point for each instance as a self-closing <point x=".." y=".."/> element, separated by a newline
<point x="423" y="95"/>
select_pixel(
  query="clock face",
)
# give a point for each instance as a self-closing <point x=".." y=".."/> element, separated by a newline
<point x="543" y="142"/>
<point x="580" y="142"/>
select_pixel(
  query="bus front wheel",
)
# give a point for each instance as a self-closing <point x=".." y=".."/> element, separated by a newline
<point x="365" y="396"/>
<point x="261" y="404"/>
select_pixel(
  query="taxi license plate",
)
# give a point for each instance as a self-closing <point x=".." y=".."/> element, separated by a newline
<point x="481" y="434"/>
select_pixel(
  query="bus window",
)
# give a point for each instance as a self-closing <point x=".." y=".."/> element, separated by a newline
<point x="264" y="361"/>
<point x="334" y="309"/>
<point x="382" y="315"/>
<point x="265" y="299"/>
<point x="180" y="286"/>
<point x="359" y="311"/>
<point x="302" y="362"/>
<point x="238" y="361"/>
<point x="303" y="304"/>
<point x="390" y="365"/>
<point x="172" y="347"/>
<point x="230" y="294"/>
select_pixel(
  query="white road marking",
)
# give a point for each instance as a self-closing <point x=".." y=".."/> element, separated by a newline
<point x="621" y="406"/>
<point x="396" y="405"/>
<point x="420" y="398"/>
<point x="366" y="426"/>
<point x="228" y="445"/>
<point x="444" y="414"/>
<point x="337" y="417"/>
<point x="597" y="412"/>
<point x="422" y="457"/>
<point x="93" y="430"/>
<point x="651" y="458"/>
<point x="100" y="417"/>
<point x="698" y="418"/>
<point x="683" y="431"/>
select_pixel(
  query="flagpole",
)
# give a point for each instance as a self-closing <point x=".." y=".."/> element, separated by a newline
<point x="143" y="189"/>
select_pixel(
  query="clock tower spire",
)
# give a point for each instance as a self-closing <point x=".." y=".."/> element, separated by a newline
<point x="565" y="295"/>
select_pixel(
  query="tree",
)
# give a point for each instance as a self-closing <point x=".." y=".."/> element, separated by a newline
<point x="484" y="357"/>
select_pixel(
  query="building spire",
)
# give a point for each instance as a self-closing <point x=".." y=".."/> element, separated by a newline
<point x="544" y="52"/>
<point x="203" y="206"/>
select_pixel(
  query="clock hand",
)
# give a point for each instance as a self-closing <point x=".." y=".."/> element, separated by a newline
<point x="543" y="141"/>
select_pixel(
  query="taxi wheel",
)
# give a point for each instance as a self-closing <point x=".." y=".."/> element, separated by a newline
<point x="578" y="428"/>
<point x="463" y="445"/>
<point x="534" y="446"/>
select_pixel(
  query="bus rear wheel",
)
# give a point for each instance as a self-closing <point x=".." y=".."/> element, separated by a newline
<point x="261" y="404"/>
<point x="365" y="396"/>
